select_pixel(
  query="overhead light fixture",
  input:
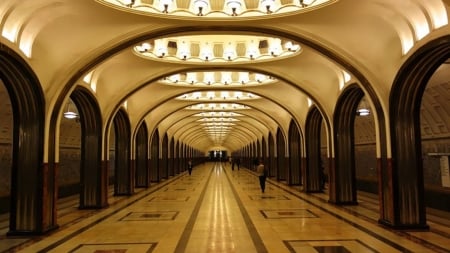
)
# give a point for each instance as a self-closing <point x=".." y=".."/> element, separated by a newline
<point x="165" y="5"/>
<point x="160" y="48"/>
<point x="70" y="115"/>
<point x="129" y="3"/>
<point x="226" y="77"/>
<point x="70" y="112"/>
<point x="275" y="48"/>
<point x="145" y="47"/>
<point x="206" y="51"/>
<point x="191" y="77"/>
<point x="268" y="5"/>
<point x="235" y="6"/>
<point x="184" y="50"/>
<point x="229" y="51"/>
<point x="175" y="78"/>
<point x="219" y="9"/>
<point x="363" y="108"/>
<point x="219" y="48"/>
<point x="201" y="5"/>
<point x="217" y="78"/>
<point x="302" y="4"/>
<point x="363" y="112"/>
<point x="252" y="49"/>
<point x="224" y="95"/>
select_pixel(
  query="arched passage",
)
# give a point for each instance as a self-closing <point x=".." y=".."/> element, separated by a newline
<point x="264" y="153"/>
<point x="272" y="158"/>
<point x="408" y="207"/>
<point x="142" y="169"/>
<point x="313" y="173"/>
<point x="154" y="158"/>
<point x="342" y="176"/>
<point x="33" y="186"/>
<point x="171" y="158"/>
<point x="177" y="155"/>
<point x="6" y="136"/>
<point x="124" y="182"/>
<point x="93" y="181"/>
<point x="165" y="157"/>
<point x="281" y="156"/>
<point x="68" y="176"/>
<point x="294" y="171"/>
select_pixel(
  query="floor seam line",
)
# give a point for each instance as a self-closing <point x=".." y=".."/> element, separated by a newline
<point x="256" y="238"/>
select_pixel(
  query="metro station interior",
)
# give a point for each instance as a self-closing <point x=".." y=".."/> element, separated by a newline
<point x="105" y="103"/>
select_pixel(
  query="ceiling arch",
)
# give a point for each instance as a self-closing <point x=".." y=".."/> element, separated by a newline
<point x="179" y="119"/>
<point x="102" y="43"/>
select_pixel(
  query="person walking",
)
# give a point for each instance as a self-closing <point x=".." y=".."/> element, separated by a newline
<point x="261" y="171"/>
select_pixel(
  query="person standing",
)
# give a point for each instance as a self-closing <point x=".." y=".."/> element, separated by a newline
<point x="238" y="162"/>
<point x="261" y="171"/>
<point x="190" y="167"/>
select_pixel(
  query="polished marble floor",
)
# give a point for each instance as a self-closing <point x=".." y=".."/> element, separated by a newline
<point x="220" y="210"/>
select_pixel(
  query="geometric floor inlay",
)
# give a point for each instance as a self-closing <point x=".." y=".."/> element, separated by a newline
<point x="150" y="216"/>
<point x="268" y="197"/>
<point x="114" y="248"/>
<point x="163" y="199"/>
<point x="287" y="213"/>
<point x="328" y="246"/>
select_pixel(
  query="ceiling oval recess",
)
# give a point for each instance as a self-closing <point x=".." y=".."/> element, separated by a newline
<point x="216" y="9"/>
<point x="217" y="48"/>
<point x="218" y="96"/>
<point x="218" y="79"/>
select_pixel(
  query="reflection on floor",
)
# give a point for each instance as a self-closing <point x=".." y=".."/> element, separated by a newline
<point x="220" y="210"/>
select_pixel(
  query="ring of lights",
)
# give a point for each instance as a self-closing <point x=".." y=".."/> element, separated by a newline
<point x="218" y="79"/>
<point x="206" y="9"/>
<point x="217" y="48"/>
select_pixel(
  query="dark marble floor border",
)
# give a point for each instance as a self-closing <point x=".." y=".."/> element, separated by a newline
<point x="292" y="250"/>
<point x="82" y="229"/>
<point x="184" y="239"/>
<point x="257" y="241"/>
<point x="152" y="245"/>
<point x="352" y="223"/>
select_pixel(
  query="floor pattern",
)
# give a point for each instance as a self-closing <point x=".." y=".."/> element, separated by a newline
<point x="219" y="210"/>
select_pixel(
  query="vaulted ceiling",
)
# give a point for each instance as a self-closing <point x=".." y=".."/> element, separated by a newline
<point x="221" y="80"/>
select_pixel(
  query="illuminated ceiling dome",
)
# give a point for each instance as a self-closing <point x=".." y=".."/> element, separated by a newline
<point x="218" y="106"/>
<point x="217" y="48"/>
<point x="207" y="9"/>
<point x="223" y="95"/>
<point x="218" y="79"/>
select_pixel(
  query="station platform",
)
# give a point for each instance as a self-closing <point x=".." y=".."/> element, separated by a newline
<point x="217" y="209"/>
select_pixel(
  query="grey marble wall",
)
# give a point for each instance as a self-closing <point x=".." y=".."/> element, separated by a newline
<point x="69" y="165"/>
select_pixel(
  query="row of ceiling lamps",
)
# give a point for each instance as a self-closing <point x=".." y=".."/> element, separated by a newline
<point x="213" y="95"/>
<point x="216" y="114"/>
<point x="213" y="106"/>
<point x="226" y="78"/>
<point x="252" y="51"/>
<point x="231" y="7"/>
